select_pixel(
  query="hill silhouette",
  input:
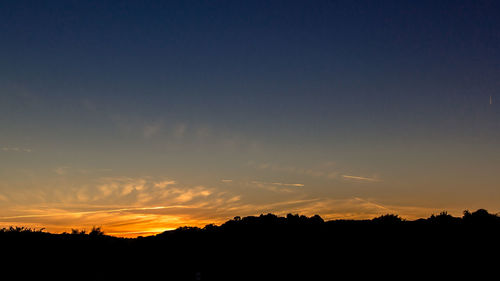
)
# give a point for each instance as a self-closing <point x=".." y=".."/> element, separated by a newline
<point x="269" y="247"/>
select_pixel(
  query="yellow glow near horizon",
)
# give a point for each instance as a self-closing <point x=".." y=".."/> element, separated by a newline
<point x="131" y="207"/>
<point x="120" y="224"/>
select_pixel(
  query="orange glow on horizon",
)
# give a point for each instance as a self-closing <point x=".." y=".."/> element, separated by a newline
<point x="134" y="225"/>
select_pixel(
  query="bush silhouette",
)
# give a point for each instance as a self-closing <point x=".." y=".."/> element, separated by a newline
<point x="388" y="219"/>
<point x="443" y="219"/>
<point x="96" y="231"/>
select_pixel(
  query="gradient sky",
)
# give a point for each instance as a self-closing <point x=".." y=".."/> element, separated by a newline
<point x="142" y="116"/>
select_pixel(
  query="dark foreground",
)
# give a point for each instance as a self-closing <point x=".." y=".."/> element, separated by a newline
<point x="268" y="248"/>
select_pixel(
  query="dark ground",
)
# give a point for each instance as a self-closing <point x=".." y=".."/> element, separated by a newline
<point x="268" y="247"/>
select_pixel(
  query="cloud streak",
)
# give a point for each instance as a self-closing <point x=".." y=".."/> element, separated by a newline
<point x="327" y="171"/>
<point x="16" y="149"/>
<point x="358" y="178"/>
<point x="279" y="183"/>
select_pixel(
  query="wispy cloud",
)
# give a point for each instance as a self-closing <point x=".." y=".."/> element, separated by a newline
<point x="58" y="213"/>
<point x="16" y="149"/>
<point x="164" y="183"/>
<point x="358" y="178"/>
<point x="128" y="206"/>
<point x="150" y="130"/>
<point x="61" y="170"/>
<point x="328" y="170"/>
<point x="278" y="187"/>
<point x="123" y="204"/>
<point x="271" y="186"/>
<point x="279" y="183"/>
<point x="288" y="184"/>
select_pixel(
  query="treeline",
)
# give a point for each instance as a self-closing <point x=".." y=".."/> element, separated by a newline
<point x="270" y="247"/>
<point x="480" y="217"/>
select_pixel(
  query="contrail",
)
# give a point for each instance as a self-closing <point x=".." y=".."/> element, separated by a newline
<point x="92" y="212"/>
<point x="359" y="178"/>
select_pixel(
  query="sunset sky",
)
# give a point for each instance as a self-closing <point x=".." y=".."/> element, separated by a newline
<point x="143" y="116"/>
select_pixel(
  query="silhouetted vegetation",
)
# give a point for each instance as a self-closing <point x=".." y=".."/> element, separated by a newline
<point x="21" y="229"/>
<point x="269" y="247"/>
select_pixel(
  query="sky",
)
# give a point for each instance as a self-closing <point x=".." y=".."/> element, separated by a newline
<point x="143" y="116"/>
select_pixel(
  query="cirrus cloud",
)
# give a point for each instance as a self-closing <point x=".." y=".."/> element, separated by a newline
<point x="131" y="206"/>
<point x="16" y="149"/>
